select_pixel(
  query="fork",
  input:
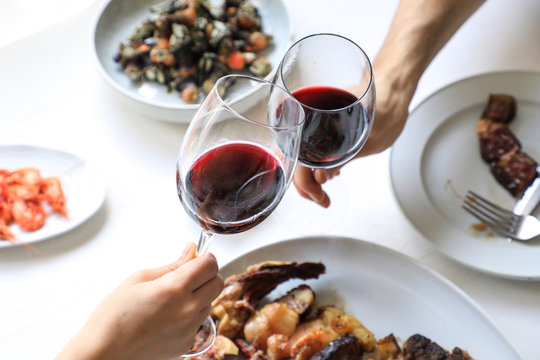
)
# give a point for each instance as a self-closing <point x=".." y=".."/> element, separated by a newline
<point x="500" y="220"/>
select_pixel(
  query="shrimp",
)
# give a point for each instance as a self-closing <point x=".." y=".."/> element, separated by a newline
<point x="5" y="233"/>
<point x="22" y="183"/>
<point x="52" y="193"/>
<point x="27" y="176"/>
<point x="3" y="175"/>
<point x="6" y="216"/>
<point x="28" y="214"/>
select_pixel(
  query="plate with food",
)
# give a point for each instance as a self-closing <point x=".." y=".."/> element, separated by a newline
<point x="163" y="56"/>
<point x="480" y="134"/>
<point x="341" y="298"/>
<point x="44" y="192"/>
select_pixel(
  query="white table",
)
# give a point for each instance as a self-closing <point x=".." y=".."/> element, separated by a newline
<point x="51" y="95"/>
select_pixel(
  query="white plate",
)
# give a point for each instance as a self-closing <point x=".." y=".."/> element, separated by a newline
<point x="388" y="292"/>
<point x="83" y="188"/>
<point x="437" y="160"/>
<point x="117" y="21"/>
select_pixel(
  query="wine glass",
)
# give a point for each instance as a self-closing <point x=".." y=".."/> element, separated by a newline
<point x="237" y="159"/>
<point x="332" y="77"/>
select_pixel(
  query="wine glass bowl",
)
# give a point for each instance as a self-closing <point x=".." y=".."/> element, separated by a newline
<point x="332" y="78"/>
<point x="238" y="156"/>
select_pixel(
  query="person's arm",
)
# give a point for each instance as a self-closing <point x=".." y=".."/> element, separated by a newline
<point x="419" y="30"/>
<point x="154" y="314"/>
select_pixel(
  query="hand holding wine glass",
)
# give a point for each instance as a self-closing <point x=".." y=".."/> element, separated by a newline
<point x="150" y="314"/>
<point x="237" y="158"/>
<point x="332" y="77"/>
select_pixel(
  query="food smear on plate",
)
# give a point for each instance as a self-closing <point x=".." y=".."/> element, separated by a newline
<point x="26" y="198"/>
<point x="500" y="148"/>
<point x="293" y="327"/>
<point x="187" y="45"/>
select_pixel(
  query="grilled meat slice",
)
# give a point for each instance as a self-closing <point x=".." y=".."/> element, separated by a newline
<point x="500" y="108"/>
<point x="344" y="348"/>
<point x="418" y="347"/>
<point x="459" y="354"/>
<point x="497" y="142"/>
<point x="501" y="150"/>
<point x="516" y="173"/>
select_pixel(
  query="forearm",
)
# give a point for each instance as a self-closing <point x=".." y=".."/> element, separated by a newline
<point x="418" y="32"/>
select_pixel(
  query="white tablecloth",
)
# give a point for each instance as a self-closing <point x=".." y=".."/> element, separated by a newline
<point x="52" y="95"/>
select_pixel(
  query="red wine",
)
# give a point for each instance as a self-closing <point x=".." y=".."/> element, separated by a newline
<point x="332" y="128"/>
<point x="233" y="187"/>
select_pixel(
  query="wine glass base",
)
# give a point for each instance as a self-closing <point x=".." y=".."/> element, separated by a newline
<point x="206" y="335"/>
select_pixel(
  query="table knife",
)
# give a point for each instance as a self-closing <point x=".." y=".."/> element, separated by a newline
<point x="530" y="198"/>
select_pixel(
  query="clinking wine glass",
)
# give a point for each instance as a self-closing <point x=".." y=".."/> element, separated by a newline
<point x="236" y="160"/>
<point x="332" y="78"/>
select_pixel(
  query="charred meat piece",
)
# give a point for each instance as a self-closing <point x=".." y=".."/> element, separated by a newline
<point x="498" y="142"/>
<point x="500" y="108"/>
<point x="516" y="173"/>
<point x="459" y="354"/>
<point x="344" y="348"/>
<point x="242" y="292"/>
<point x="419" y="347"/>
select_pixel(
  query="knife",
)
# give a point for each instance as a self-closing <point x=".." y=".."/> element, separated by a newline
<point x="530" y="198"/>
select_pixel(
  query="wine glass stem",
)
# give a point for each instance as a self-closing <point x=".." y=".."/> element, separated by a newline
<point x="205" y="239"/>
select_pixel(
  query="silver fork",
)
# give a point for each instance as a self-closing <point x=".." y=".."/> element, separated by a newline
<point x="500" y="220"/>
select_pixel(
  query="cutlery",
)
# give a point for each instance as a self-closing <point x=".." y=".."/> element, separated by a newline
<point x="500" y="220"/>
<point x="530" y="199"/>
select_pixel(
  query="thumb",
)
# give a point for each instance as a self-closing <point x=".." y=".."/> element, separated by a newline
<point x="189" y="253"/>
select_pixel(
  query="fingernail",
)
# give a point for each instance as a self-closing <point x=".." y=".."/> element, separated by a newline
<point x="187" y="249"/>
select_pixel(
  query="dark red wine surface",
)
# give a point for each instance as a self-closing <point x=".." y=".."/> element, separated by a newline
<point x="233" y="187"/>
<point x="332" y="128"/>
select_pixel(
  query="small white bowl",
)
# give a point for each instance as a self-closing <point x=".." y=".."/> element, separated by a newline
<point x="117" y="20"/>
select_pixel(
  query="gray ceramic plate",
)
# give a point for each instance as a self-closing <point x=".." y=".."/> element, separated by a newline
<point x="118" y="19"/>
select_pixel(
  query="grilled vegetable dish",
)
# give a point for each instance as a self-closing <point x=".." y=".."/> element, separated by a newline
<point x="293" y="327"/>
<point x="187" y="45"/>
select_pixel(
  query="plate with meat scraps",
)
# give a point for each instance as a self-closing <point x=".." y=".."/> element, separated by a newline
<point x="388" y="292"/>
<point x="436" y="160"/>
<point x="83" y="189"/>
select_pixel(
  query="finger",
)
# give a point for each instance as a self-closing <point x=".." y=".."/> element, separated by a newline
<point x="210" y="290"/>
<point x="321" y="175"/>
<point x="303" y="179"/>
<point x="188" y="254"/>
<point x="194" y="273"/>
<point x="303" y="194"/>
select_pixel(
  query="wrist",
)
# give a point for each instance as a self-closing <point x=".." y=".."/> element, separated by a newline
<point x="85" y="345"/>
<point x="399" y="77"/>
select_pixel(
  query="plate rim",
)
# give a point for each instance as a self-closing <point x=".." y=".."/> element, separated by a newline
<point x="156" y="104"/>
<point x="359" y="243"/>
<point x="89" y="213"/>
<point x="515" y="275"/>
